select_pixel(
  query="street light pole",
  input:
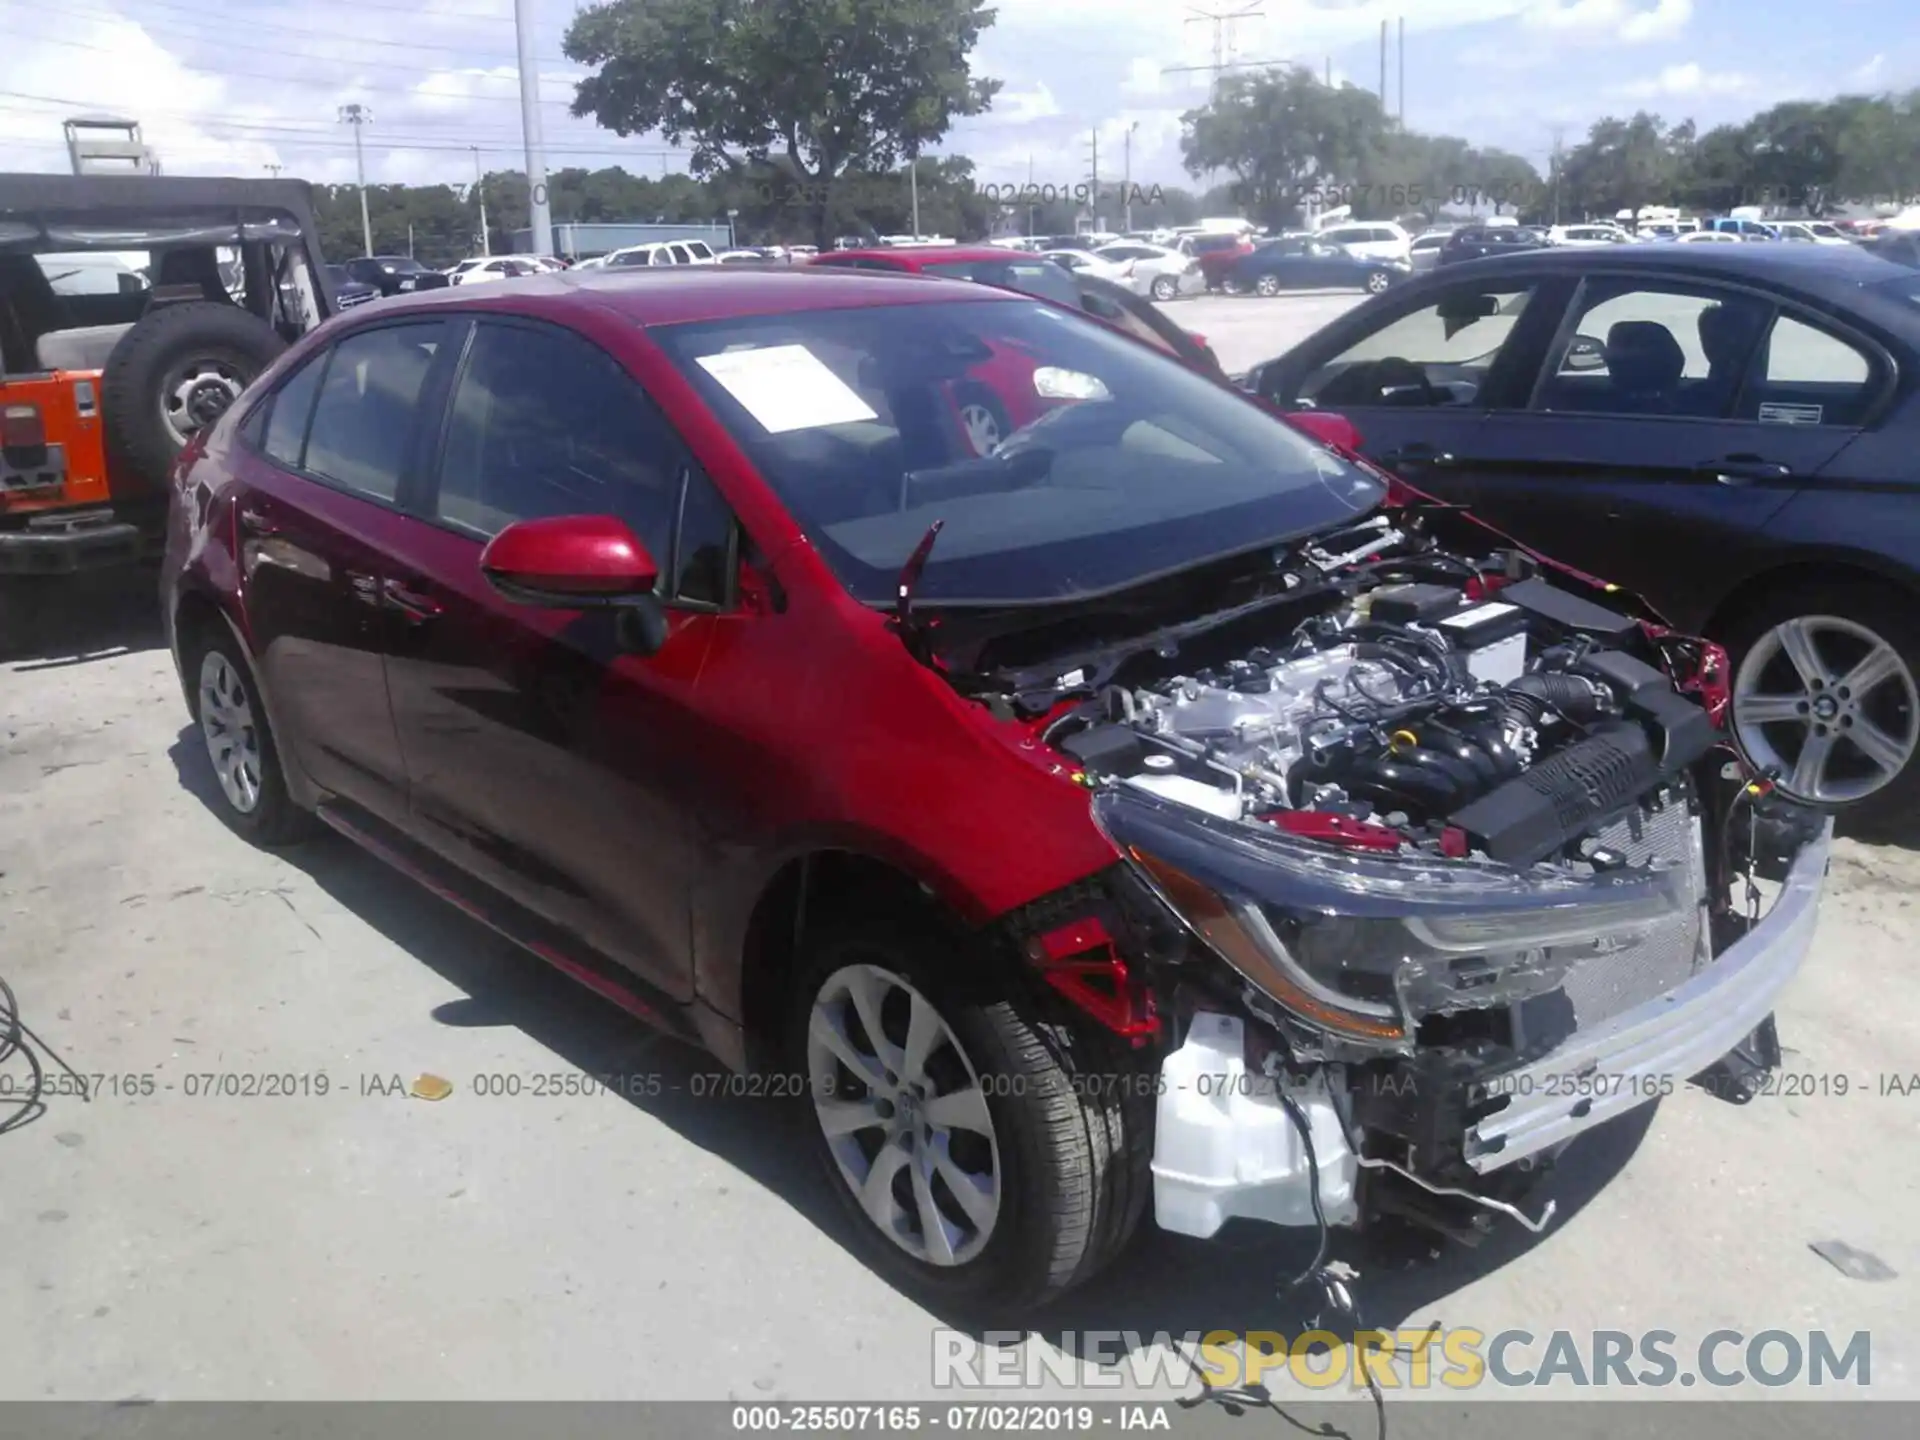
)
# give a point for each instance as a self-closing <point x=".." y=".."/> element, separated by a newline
<point x="480" y="189"/>
<point x="359" y="117"/>
<point x="538" y="214"/>
<point x="1126" y="182"/>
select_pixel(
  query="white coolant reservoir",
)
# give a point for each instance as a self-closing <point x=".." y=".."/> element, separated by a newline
<point x="1195" y="793"/>
<point x="1224" y="1146"/>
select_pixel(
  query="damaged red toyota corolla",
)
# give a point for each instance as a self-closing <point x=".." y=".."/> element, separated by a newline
<point x="1145" y="812"/>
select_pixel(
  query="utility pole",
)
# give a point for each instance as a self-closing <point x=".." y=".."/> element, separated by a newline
<point x="1559" y="132"/>
<point x="913" y="189"/>
<point x="1403" y="72"/>
<point x="1383" y="68"/>
<point x="480" y="189"/>
<point x="1095" y="176"/>
<point x="1126" y="181"/>
<point x="359" y="117"/>
<point x="409" y="239"/>
<point x="538" y="215"/>
<point x="1329" y="72"/>
<point x="273" y="170"/>
<point x="1223" y="22"/>
<point x="1030" y="206"/>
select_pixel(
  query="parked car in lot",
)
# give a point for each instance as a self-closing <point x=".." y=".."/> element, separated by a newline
<point x="1157" y="271"/>
<point x="123" y="335"/>
<point x="1587" y="235"/>
<point x="395" y="274"/>
<point x="1306" y="263"/>
<point x="1215" y="254"/>
<point x="1085" y="262"/>
<point x="1726" y="430"/>
<point x="1423" y="251"/>
<point x="662" y="252"/>
<point x="676" y="630"/>
<point x="1374" y="240"/>
<point x="348" y="292"/>
<point x="499" y="267"/>
<point x="1475" y="242"/>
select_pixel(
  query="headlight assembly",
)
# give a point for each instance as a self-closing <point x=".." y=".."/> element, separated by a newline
<point x="1363" y="946"/>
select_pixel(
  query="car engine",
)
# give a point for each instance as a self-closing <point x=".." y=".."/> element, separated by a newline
<point x="1505" y="723"/>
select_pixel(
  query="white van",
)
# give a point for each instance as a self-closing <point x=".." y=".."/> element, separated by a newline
<point x="1371" y="240"/>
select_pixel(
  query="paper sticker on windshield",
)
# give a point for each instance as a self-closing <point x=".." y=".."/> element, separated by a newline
<point x="786" y="387"/>
<point x="1776" y="412"/>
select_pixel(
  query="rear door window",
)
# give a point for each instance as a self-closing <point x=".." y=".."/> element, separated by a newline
<point x="368" y="406"/>
<point x="1806" y="376"/>
<point x="1653" y="348"/>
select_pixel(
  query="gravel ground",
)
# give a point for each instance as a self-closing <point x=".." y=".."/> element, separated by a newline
<point x="363" y="1244"/>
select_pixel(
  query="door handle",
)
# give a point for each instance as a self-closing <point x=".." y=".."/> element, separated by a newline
<point x="1743" y="469"/>
<point x="410" y="602"/>
<point x="1418" y="453"/>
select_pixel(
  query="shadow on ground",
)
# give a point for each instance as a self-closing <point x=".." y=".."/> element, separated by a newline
<point x="51" y="621"/>
<point x="1163" y="1286"/>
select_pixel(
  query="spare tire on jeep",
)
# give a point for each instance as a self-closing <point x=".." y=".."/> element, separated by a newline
<point x="176" y="372"/>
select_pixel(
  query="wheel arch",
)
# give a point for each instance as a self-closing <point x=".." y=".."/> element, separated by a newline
<point x="1807" y="572"/>
<point x="808" y="891"/>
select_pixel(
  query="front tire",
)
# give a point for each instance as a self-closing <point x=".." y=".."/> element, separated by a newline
<point x="1378" y="282"/>
<point x="1267" y="286"/>
<point x="251" y="794"/>
<point x="1164" y="288"/>
<point x="961" y="1124"/>
<point x="1826" y="687"/>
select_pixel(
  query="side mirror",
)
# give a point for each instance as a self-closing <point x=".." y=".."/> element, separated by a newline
<point x="1585" y="353"/>
<point x="579" y="562"/>
<point x="1328" y="428"/>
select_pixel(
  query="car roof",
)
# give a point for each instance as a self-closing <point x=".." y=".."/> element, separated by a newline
<point x="914" y="256"/>
<point x="688" y="293"/>
<point x="1827" y="270"/>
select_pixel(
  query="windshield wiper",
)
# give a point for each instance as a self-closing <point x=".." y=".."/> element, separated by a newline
<point x="903" y="623"/>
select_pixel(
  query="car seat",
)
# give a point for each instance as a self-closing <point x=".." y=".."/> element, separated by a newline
<point x="1644" y="363"/>
<point x="1728" y="334"/>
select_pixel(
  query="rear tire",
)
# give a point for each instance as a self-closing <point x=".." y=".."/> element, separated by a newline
<point x="250" y="787"/>
<point x="1844" y="624"/>
<point x="1267" y="286"/>
<point x="177" y="372"/>
<point x="1164" y="288"/>
<point x="1069" y="1115"/>
<point x="1378" y="282"/>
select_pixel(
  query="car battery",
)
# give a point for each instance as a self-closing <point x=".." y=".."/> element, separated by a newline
<point x="1493" y="638"/>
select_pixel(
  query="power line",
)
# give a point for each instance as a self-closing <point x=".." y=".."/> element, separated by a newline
<point x="330" y="85"/>
<point x="201" y="17"/>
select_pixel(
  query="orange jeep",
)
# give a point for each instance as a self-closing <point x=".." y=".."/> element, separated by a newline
<point x="133" y="311"/>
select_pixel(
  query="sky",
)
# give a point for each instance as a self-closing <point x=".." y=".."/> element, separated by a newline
<point x="244" y="87"/>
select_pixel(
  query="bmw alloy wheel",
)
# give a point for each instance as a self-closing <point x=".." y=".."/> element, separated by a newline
<point x="1378" y="281"/>
<point x="1831" y="705"/>
<point x="982" y="427"/>
<point x="233" y="740"/>
<point x="904" y="1115"/>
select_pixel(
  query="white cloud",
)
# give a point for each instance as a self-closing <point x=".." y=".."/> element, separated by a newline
<point x="1624" y="19"/>
<point x="1686" y="81"/>
<point x="1144" y="77"/>
<point x="1869" y="73"/>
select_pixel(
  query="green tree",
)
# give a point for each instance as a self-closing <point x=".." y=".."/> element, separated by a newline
<point x="1284" y="136"/>
<point x="829" y="87"/>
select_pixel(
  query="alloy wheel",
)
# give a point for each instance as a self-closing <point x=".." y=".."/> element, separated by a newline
<point x="904" y="1114"/>
<point x="233" y="739"/>
<point x="982" y="427"/>
<point x="1268" y="285"/>
<point x="1165" y="287"/>
<point x="1831" y="705"/>
<point x="1377" y="282"/>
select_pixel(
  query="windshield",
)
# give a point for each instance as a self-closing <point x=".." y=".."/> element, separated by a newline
<point x="1063" y="459"/>
<point x="1038" y="276"/>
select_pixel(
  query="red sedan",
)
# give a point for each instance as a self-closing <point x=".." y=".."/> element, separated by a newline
<point x="1142" y="814"/>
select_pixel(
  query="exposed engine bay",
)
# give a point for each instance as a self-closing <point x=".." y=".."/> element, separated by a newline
<point x="1446" y="821"/>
